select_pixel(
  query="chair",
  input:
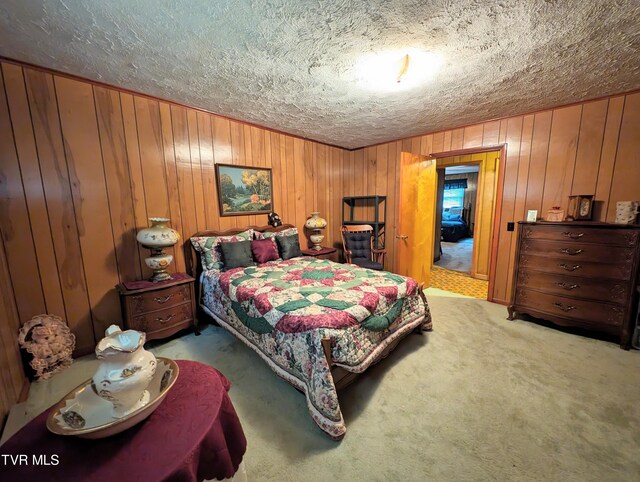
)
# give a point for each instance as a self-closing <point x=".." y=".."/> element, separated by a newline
<point x="357" y="242"/>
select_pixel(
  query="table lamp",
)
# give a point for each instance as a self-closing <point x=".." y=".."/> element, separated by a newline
<point x="156" y="238"/>
<point x="315" y="223"/>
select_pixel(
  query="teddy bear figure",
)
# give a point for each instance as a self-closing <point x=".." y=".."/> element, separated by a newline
<point x="274" y="220"/>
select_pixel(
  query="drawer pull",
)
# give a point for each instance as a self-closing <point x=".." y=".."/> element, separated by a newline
<point x="563" y="307"/>
<point x="571" y="252"/>
<point x="572" y="235"/>
<point x="166" y="319"/>
<point x="567" y="286"/>
<point x="570" y="268"/>
<point x="162" y="299"/>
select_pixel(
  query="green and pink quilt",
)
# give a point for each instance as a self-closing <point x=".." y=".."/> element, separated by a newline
<point x="283" y="310"/>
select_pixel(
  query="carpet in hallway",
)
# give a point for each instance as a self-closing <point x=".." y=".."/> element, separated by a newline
<point x="456" y="256"/>
<point x="460" y="283"/>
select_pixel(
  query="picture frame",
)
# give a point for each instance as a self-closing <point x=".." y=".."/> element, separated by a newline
<point x="580" y="207"/>
<point x="532" y="215"/>
<point x="244" y="190"/>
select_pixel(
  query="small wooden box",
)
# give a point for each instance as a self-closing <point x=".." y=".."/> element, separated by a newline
<point x="555" y="215"/>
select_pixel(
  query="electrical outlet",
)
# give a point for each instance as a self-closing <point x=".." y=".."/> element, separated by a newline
<point x="510" y="226"/>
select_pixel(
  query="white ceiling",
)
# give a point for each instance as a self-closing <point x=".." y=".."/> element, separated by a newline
<point x="292" y="64"/>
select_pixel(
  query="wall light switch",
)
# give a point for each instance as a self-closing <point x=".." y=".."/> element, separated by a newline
<point x="510" y="226"/>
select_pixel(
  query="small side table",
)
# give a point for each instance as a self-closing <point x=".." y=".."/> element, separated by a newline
<point x="159" y="309"/>
<point x="324" y="253"/>
<point x="194" y="434"/>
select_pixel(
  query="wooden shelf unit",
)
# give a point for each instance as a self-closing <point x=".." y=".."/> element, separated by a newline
<point x="379" y="211"/>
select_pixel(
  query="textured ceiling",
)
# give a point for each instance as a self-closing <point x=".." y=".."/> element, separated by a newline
<point x="292" y="65"/>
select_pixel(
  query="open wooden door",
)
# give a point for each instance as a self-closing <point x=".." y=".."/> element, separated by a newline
<point x="417" y="210"/>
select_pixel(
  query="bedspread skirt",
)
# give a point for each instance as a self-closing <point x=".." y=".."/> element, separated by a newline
<point x="299" y="357"/>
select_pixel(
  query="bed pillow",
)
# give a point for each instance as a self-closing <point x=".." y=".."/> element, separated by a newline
<point x="289" y="246"/>
<point x="209" y="247"/>
<point x="447" y="216"/>
<point x="273" y="234"/>
<point x="236" y="254"/>
<point x="264" y="250"/>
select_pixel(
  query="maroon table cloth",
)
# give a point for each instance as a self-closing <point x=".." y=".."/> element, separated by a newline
<point x="193" y="435"/>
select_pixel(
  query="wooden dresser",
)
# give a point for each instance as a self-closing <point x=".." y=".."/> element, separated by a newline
<point x="581" y="274"/>
<point x="159" y="309"/>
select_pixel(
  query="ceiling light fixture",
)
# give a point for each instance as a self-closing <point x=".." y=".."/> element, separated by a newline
<point x="405" y="66"/>
<point x="397" y="70"/>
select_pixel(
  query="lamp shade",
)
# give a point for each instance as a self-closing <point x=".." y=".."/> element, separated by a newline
<point x="315" y="221"/>
<point x="158" y="235"/>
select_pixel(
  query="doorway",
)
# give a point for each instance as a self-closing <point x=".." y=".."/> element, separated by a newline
<point x="457" y="204"/>
<point x="421" y="211"/>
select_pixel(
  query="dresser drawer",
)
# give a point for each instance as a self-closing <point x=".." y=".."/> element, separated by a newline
<point x="573" y="267"/>
<point x="619" y="237"/>
<point x="158" y="299"/>
<point x="163" y="319"/>
<point x="578" y="251"/>
<point x="615" y="292"/>
<point x="592" y="312"/>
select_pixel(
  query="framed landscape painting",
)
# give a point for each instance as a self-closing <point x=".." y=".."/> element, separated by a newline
<point x="244" y="190"/>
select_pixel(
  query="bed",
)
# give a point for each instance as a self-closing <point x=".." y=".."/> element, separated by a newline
<point x="316" y="323"/>
<point x="453" y="227"/>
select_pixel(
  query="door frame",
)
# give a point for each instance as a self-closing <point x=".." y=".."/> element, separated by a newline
<point x="495" y="230"/>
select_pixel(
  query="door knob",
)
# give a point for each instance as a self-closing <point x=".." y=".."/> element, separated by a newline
<point x="402" y="236"/>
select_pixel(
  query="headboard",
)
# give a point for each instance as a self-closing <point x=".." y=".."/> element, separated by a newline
<point x="192" y="257"/>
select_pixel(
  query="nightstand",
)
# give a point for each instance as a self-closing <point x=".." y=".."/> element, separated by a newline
<point x="324" y="253"/>
<point x="159" y="309"/>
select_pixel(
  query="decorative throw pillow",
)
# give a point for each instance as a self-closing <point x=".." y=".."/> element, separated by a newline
<point x="264" y="250"/>
<point x="209" y="247"/>
<point x="236" y="254"/>
<point x="273" y="234"/>
<point x="289" y="246"/>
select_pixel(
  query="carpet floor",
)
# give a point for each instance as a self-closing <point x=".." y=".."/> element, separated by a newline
<point x="479" y="398"/>
<point x="456" y="256"/>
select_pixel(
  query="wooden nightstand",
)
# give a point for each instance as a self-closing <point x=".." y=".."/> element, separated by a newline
<point x="159" y="309"/>
<point x="324" y="253"/>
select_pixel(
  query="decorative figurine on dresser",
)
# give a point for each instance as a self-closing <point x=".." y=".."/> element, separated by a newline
<point x="582" y="274"/>
<point x="161" y="308"/>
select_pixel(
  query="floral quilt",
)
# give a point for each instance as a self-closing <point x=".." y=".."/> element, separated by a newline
<point x="283" y="310"/>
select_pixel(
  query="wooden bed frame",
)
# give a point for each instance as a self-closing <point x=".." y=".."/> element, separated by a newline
<point x="341" y="376"/>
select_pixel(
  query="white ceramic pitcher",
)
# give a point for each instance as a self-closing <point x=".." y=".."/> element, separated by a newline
<point x="125" y="370"/>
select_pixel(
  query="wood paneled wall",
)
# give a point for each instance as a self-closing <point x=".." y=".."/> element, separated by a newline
<point x="84" y="166"/>
<point x="12" y="375"/>
<point x="587" y="148"/>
